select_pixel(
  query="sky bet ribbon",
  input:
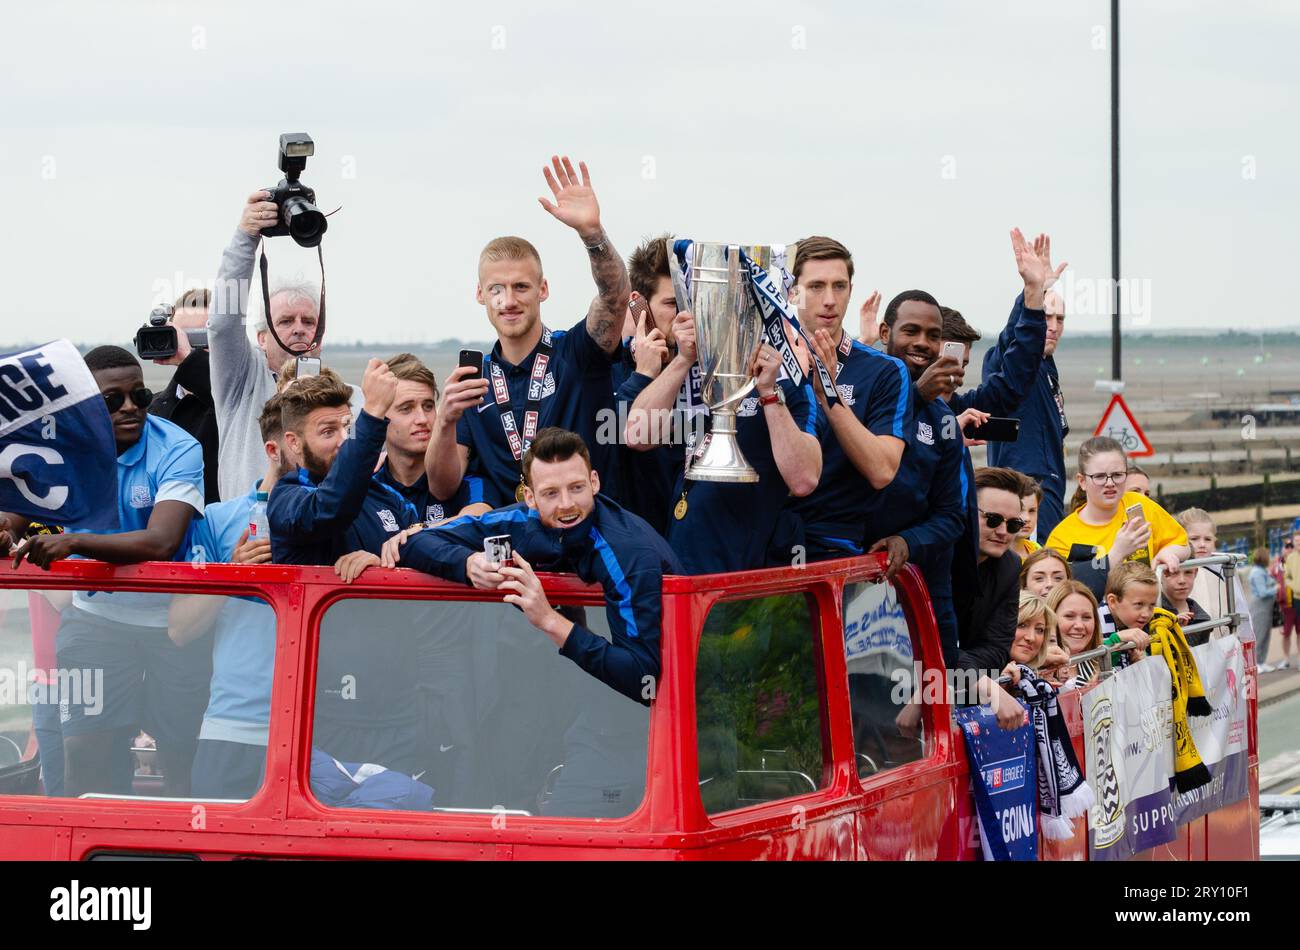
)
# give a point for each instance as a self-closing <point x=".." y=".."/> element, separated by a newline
<point x="1004" y="782"/>
<point x="58" y="460"/>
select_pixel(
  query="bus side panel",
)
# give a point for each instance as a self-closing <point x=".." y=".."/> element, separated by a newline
<point x="35" y="844"/>
<point x="819" y="839"/>
<point x="911" y="827"/>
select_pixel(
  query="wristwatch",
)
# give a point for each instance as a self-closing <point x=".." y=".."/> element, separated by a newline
<point x="777" y="395"/>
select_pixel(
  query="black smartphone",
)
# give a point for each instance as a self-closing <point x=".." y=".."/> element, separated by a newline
<point x="997" y="429"/>
<point x="472" y="358"/>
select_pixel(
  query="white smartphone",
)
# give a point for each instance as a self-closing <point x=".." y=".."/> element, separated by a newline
<point x="954" y="349"/>
<point x="497" y="549"/>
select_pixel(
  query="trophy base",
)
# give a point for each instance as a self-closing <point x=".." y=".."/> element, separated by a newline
<point x="720" y="460"/>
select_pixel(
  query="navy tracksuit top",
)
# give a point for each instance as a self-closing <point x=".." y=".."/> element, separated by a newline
<point x="611" y="547"/>
<point x="317" y="521"/>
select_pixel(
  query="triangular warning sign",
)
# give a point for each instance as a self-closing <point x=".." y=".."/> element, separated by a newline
<point x="1117" y="422"/>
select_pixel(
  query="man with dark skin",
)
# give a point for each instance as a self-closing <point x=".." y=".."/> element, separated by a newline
<point x="169" y="520"/>
<point x="147" y="681"/>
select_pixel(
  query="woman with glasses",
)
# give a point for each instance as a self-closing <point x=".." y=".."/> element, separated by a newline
<point x="1114" y="525"/>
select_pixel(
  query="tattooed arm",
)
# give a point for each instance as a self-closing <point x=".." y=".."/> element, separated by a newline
<point x="575" y="205"/>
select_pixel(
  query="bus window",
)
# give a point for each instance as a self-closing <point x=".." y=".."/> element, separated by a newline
<point x="125" y="694"/>
<point x="425" y="705"/>
<point x="758" y="711"/>
<point x="881" y="654"/>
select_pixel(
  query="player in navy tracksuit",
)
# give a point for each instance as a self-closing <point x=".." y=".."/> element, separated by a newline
<point x="1040" y="450"/>
<point x="871" y="421"/>
<point x="331" y="505"/>
<point x="921" y="516"/>
<point x="333" y="510"/>
<point x="565" y="526"/>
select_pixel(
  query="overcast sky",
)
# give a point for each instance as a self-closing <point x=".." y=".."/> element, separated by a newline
<point x="918" y="133"/>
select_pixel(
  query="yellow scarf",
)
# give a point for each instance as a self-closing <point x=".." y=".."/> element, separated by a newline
<point x="1168" y="641"/>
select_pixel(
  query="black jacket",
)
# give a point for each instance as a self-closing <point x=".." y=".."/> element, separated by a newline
<point x="986" y="615"/>
<point x="194" y="412"/>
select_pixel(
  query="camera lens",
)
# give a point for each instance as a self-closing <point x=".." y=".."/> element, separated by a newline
<point x="305" y="222"/>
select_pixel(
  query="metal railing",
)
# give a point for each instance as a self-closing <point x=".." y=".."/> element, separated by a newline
<point x="1232" y="619"/>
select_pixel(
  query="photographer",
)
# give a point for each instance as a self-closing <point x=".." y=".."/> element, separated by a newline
<point x="243" y="372"/>
<point x="187" y="399"/>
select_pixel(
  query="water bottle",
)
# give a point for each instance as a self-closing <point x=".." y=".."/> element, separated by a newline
<point x="259" y="529"/>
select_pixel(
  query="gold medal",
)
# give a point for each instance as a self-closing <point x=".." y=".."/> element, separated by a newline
<point x="519" y="490"/>
<point x="679" y="510"/>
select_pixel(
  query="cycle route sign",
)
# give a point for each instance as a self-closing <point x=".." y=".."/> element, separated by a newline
<point x="1118" y="423"/>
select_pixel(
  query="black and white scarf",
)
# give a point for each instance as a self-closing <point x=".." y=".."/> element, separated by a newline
<point x="1062" y="792"/>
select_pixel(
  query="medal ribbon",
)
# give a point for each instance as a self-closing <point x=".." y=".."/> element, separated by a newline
<point x="518" y="441"/>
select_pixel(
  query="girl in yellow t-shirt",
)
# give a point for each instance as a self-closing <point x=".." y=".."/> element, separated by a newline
<point x="1100" y="532"/>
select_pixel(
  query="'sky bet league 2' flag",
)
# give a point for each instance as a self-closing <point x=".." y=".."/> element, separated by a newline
<point x="58" y="459"/>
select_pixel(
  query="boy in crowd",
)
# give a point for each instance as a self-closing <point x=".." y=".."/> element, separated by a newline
<point x="1131" y="595"/>
<point x="1210" y="587"/>
<point x="1175" y="597"/>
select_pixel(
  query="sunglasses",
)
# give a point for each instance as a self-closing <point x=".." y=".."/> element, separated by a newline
<point x="993" y="519"/>
<point x="139" y="397"/>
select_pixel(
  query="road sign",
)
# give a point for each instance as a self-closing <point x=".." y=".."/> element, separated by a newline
<point x="1118" y="423"/>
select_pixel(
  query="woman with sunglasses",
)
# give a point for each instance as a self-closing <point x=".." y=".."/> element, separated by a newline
<point x="1102" y="534"/>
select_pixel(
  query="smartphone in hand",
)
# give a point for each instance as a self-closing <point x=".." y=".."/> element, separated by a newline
<point x="498" y="550"/>
<point x="954" y="350"/>
<point x="997" y="429"/>
<point x="474" y="359"/>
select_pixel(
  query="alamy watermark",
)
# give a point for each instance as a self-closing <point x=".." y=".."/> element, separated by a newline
<point x="35" y="686"/>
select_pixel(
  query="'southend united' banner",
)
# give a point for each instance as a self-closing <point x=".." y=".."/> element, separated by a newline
<point x="1130" y="748"/>
<point x="58" y="460"/>
<point x="1004" y="782"/>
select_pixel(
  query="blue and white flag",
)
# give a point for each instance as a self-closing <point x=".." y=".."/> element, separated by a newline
<point x="58" y="459"/>
<point x="1004" y="782"/>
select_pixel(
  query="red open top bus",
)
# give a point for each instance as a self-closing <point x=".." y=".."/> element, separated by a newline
<point x="771" y="734"/>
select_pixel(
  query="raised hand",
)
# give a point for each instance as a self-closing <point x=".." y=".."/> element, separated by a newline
<point x="1034" y="262"/>
<point x="868" y="323"/>
<point x="379" y="388"/>
<point x="575" y="201"/>
<point x="1043" y="249"/>
<point x="259" y="212"/>
<point x="464" y="389"/>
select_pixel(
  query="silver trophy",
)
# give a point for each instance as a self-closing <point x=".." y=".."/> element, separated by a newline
<point x="728" y="332"/>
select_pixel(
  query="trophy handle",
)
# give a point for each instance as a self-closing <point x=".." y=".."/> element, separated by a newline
<point x="734" y="400"/>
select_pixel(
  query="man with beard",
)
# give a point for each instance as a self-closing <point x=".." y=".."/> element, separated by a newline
<point x="534" y="377"/>
<point x="148" y="681"/>
<point x="870" y="423"/>
<point x="921" y="515"/>
<point x="564" y="524"/>
<point x="332" y="506"/>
